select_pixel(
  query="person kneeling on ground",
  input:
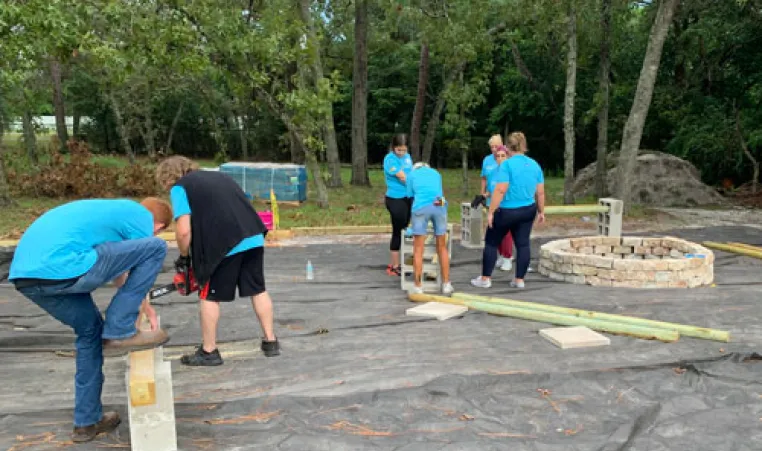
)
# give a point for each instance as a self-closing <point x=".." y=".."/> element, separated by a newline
<point x="70" y="251"/>
<point x="424" y="186"/>
<point x="221" y="236"/>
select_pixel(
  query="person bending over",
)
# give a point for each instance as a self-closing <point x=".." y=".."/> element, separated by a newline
<point x="70" y="251"/>
<point x="221" y="236"/>
<point x="424" y="186"/>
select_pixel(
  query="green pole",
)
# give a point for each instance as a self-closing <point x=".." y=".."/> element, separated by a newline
<point x="685" y="330"/>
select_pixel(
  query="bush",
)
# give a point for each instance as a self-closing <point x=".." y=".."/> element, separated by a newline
<point x="77" y="175"/>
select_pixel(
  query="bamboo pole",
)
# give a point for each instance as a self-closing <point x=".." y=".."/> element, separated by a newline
<point x="555" y="318"/>
<point x="747" y="246"/>
<point x="686" y="330"/>
<point x="648" y="333"/>
<point x="573" y="209"/>
<point x="733" y="249"/>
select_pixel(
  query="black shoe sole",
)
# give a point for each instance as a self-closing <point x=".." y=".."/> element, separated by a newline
<point x="205" y="363"/>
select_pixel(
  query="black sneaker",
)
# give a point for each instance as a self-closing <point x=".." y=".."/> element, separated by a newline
<point x="202" y="358"/>
<point x="271" y="348"/>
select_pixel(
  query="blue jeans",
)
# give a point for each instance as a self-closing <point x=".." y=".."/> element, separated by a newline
<point x="437" y="216"/>
<point x="71" y="303"/>
<point x="519" y="222"/>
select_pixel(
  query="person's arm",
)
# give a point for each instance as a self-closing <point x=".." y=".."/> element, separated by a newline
<point x="539" y="196"/>
<point x="401" y="175"/>
<point x="483" y="190"/>
<point x="183" y="234"/>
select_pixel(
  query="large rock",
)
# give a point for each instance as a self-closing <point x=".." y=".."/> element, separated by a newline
<point x="660" y="180"/>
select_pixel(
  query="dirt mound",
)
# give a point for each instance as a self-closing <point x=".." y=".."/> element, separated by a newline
<point x="660" y="180"/>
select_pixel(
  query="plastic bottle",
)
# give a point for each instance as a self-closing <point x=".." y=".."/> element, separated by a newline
<point x="310" y="272"/>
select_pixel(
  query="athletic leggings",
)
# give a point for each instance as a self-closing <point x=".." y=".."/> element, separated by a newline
<point x="399" y="210"/>
<point x="519" y="222"/>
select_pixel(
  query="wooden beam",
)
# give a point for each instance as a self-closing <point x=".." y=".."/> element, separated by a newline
<point x="142" y="373"/>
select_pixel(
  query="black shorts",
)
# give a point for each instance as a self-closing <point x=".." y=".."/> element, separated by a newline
<point x="244" y="270"/>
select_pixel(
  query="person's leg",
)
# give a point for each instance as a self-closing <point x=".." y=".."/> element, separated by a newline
<point x="251" y="283"/>
<point x="143" y="259"/>
<point x="420" y="222"/>
<point x="495" y="235"/>
<point x="505" y="252"/>
<point x="521" y="228"/>
<point x="439" y="220"/>
<point x="220" y="288"/>
<point x="399" y="214"/>
<point x="79" y="312"/>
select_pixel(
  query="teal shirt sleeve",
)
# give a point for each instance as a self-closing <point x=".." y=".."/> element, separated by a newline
<point x="391" y="165"/>
<point x="179" y="198"/>
<point x="139" y="225"/>
<point x="409" y="185"/>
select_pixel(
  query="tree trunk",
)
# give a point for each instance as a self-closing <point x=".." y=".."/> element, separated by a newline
<point x="297" y="155"/>
<point x="5" y="192"/>
<point x="633" y="129"/>
<point x="58" y="102"/>
<point x="242" y="133"/>
<point x="601" y="168"/>
<point x="148" y="136"/>
<point x="464" y="167"/>
<point x="571" y="90"/>
<point x="173" y="127"/>
<point x="745" y="148"/>
<point x="433" y="124"/>
<point x="314" y="168"/>
<point x="123" y="133"/>
<point x="30" y="139"/>
<point x="75" y="124"/>
<point x="329" y="130"/>
<point x="360" y="97"/>
<point x="420" y="104"/>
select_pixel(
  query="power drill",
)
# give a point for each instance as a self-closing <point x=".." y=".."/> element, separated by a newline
<point x="184" y="281"/>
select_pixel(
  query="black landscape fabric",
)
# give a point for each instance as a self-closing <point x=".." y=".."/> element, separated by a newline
<point x="356" y="373"/>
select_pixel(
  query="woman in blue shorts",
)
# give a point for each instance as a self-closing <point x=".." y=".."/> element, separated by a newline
<point x="424" y="186"/>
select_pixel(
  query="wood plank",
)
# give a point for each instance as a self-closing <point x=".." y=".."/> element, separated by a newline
<point x="142" y="374"/>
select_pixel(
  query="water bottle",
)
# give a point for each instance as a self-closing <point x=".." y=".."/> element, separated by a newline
<point x="310" y="272"/>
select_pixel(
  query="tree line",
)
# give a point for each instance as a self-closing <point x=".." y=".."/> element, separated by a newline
<point x="326" y="83"/>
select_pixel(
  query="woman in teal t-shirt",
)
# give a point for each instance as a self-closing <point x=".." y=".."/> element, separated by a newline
<point x="518" y="198"/>
<point x="397" y="165"/>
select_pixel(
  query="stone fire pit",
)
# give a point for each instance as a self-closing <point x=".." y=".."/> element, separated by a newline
<point x="630" y="262"/>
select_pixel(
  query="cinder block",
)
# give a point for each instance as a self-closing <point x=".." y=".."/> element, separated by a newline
<point x="438" y="310"/>
<point x="574" y="337"/>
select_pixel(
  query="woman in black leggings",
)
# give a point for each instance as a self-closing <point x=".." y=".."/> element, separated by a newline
<point x="397" y="165"/>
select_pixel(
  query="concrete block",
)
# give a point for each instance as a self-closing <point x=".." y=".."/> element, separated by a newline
<point x="574" y="337"/>
<point x="438" y="310"/>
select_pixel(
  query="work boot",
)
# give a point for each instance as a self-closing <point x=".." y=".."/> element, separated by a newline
<point x="144" y="339"/>
<point x="202" y="358"/>
<point x="270" y="348"/>
<point x="108" y="423"/>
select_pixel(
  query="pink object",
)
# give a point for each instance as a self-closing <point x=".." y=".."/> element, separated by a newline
<point x="506" y="247"/>
<point x="267" y="218"/>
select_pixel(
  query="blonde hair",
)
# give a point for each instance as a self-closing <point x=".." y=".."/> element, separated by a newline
<point x="160" y="209"/>
<point x="172" y="169"/>
<point x="517" y="142"/>
<point x="495" y="140"/>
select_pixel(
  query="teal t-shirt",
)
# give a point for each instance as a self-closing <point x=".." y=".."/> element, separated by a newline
<point x="60" y="244"/>
<point x="489" y="170"/>
<point x="180" y="207"/>
<point x="393" y="164"/>
<point x="424" y="185"/>
<point x="523" y="174"/>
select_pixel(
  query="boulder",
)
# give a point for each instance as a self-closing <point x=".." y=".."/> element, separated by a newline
<point x="660" y="180"/>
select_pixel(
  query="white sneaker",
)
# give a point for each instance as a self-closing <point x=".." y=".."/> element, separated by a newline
<point x="515" y="284"/>
<point x="507" y="265"/>
<point x="415" y="290"/>
<point x="447" y="289"/>
<point x="529" y="269"/>
<point x="499" y="261"/>
<point x="481" y="283"/>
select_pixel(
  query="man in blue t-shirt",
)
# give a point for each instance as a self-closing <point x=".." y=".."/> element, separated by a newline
<point x="70" y="251"/>
<point x="221" y="236"/>
<point x="424" y="186"/>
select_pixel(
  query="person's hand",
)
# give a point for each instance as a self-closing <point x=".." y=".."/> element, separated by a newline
<point x="150" y="313"/>
<point x="540" y="218"/>
<point x="490" y="219"/>
<point x="183" y="263"/>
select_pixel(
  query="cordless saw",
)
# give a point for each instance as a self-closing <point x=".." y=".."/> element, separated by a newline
<point x="184" y="282"/>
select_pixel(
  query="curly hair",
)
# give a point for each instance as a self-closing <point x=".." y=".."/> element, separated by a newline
<point x="170" y="170"/>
